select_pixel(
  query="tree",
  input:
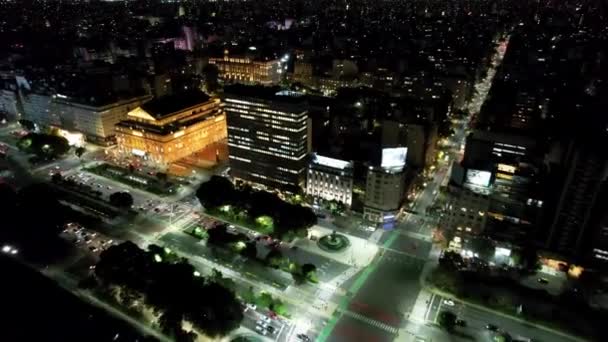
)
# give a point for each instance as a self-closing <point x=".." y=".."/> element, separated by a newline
<point x="162" y="176"/>
<point x="264" y="300"/>
<point x="309" y="271"/>
<point x="215" y="192"/>
<point x="447" y="320"/>
<point x="27" y="124"/>
<point x="250" y="250"/>
<point x="279" y="308"/>
<point x="79" y="151"/>
<point x="56" y="177"/>
<point x="484" y="247"/>
<point x="44" y="146"/>
<point x="121" y="199"/>
<point x="248" y="295"/>
<point x="527" y="259"/>
<point x="275" y="258"/>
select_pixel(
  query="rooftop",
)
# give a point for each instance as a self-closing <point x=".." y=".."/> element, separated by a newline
<point x="331" y="162"/>
<point x="163" y="106"/>
<point x="274" y="93"/>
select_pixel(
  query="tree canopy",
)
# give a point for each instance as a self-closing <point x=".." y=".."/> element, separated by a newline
<point x="284" y="219"/>
<point x="45" y="146"/>
<point x="172" y="288"/>
<point x="121" y="200"/>
<point x="447" y="320"/>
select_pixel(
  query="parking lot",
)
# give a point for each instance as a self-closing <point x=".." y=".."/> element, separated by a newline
<point x="85" y="239"/>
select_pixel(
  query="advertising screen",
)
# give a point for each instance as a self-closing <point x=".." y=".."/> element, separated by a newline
<point x="479" y="177"/>
<point x="394" y="158"/>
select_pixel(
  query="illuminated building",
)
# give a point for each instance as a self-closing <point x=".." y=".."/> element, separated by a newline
<point x="172" y="127"/>
<point x="330" y="179"/>
<point x="247" y="69"/>
<point x="95" y="119"/>
<point x="384" y="191"/>
<point x="385" y="187"/>
<point x="268" y="135"/>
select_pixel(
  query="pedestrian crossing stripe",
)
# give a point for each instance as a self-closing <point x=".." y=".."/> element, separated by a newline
<point x="370" y="321"/>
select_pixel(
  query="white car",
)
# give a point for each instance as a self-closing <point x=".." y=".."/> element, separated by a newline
<point x="448" y="302"/>
<point x="261" y="330"/>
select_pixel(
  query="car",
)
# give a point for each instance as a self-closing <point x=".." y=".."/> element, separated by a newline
<point x="303" y="337"/>
<point x="491" y="327"/>
<point x="448" y="302"/>
<point x="543" y="281"/>
<point x="93" y="249"/>
<point x="109" y="187"/>
<point x="271" y="329"/>
<point x="261" y="330"/>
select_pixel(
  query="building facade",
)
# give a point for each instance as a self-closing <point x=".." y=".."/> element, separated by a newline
<point x="330" y="179"/>
<point x="248" y="70"/>
<point x="268" y="136"/>
<point x="95" y="120"/>
<point x="384" y="191"/>
<point x="170" y="128"/>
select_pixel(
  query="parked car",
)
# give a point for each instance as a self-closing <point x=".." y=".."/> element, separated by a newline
<point x="303" y="337"/>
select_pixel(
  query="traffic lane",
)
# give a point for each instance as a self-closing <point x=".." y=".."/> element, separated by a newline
<point x="477" y="320"/>
<point x="352" y="329"/>
<point x="327" y="269"/>
<point x="480" y="318"/>
<point x="390" y="291"/>
<point x="358" y="230"/>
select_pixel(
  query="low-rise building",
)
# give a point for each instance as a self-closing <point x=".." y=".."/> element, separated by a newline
<point x="248" y="69"/>
<point x="172" y="127"/>
<point x="330" y="179"/>
<point x="95" y="119"/>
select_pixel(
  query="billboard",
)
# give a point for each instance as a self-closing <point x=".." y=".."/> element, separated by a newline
<point x="393" y="158"/>
<point x="478" y="177"/>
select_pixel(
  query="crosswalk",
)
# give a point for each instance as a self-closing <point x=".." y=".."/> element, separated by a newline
<point x="372" y="322"/>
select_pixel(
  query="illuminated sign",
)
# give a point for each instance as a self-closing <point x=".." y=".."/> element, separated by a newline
<point x="506" y="168"/>
<point x="478" y="177"/>
<point x="74" y="139"/>
<point x="137" y="152"/>
<point x="393" y="158"/>
<point x="331" y="162"/>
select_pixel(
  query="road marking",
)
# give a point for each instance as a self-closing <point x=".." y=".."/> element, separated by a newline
<point x="370" y="321"/>
<point x="428" y="308"/>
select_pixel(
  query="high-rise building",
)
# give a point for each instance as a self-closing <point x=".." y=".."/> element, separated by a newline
<point x="586" y="169"/>
<point x="384" y="191"/>
<point x="385" y="187"/>
<point x="248" y="69"/>
<point x="496" y="191"/>
<point x="268" y="135"/>
<point x="330" y="179"/>
<point x="172" y="127"/>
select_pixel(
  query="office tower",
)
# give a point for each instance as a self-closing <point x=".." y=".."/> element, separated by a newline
<point x="268" y="135"/>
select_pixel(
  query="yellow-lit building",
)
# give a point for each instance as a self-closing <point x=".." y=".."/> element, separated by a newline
<point x="172" y="127"/>
<point x="246" y="69"/>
